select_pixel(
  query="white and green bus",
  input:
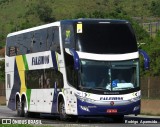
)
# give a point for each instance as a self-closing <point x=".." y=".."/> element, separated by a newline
<point x="70" y="68"/>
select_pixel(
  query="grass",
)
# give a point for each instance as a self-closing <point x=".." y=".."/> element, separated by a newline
<point x="17" y="125"/>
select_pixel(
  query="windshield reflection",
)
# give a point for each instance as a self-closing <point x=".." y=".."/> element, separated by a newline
<point x="110" y="76"/>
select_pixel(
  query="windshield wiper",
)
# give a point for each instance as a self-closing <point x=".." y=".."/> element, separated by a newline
<point x="96" y="88"/>
<point x="101" y="88"/>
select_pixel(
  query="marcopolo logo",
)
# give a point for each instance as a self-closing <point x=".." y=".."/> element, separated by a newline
<point x="111" y="98"/>
<point x="40" y="60"/>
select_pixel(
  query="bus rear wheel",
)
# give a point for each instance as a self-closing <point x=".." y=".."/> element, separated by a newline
<point x="24" y="109"/>
<point x="19" y="111"/>
<point x="62" y="111"/>
<point x="21" y="108"/>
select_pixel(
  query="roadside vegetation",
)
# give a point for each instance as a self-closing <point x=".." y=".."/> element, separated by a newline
<point x="23" y="125"/>
<point x="21" y="14"/>
<point x="17" y="125"/>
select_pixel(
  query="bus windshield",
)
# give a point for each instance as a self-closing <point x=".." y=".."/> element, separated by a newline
<point x="106" y="38"/>
<point x="110" y="76"/>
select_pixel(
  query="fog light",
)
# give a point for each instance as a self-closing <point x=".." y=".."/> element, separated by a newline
<point x="136" y="108"/>
<point x="85" y="108"/>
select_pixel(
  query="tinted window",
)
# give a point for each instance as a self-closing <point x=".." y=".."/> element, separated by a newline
<point x="43" y="40"/>
<point x="46" y="39"/>
<point x="68" y="36"/>
<point x="55" y="40"/>
<point x="47" y="78"/>
<point x="11" y="49"/>
<point x="49" y="38"/>
<point x="27" y="37"/>
<point x="72" y="74"/>
<point x="34" y="41"/>
<point x="106" y="38"/>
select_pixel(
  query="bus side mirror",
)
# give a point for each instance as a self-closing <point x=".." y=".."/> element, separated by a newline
<point x="75" y="58"/>
<point x="146" y="59"/>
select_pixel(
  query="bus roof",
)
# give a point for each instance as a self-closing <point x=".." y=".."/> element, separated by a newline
<point x="96" y="20"/>
<point x="67" y="21"/>
<point x="34" y="28"/>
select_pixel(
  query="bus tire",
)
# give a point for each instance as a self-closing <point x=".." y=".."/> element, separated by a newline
<point x="62" y="111"/>
<point x="18" y="107"/>
<point x="24" y="108"/>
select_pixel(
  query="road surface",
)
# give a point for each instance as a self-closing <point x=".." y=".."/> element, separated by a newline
<point x="6" y="116"/>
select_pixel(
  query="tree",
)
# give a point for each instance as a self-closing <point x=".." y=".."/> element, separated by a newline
<point x="155" y="8"/>
<point x="42" y="10"/>
<point x="80" y="15"/>
<point x="2" y="71"/>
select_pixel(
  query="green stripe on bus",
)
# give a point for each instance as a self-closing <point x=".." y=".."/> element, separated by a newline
<point x="28" y="92"/>
<point x="25" y="62"/>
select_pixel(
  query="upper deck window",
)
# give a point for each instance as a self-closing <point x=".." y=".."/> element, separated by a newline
<point x="106" y="38"/>
<point x="34" y="41"/>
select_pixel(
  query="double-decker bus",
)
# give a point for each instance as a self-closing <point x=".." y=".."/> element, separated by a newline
<point x="81" y="67"/>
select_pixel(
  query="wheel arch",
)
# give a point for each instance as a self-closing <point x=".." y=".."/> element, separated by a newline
<point x="17" y="98"/>
<point x="60" y="98"/>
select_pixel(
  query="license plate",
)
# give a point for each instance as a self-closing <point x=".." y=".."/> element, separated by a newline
<point x="111" y="110"/>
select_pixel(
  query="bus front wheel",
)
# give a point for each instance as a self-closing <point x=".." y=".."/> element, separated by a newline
<point x="62" y="111"/>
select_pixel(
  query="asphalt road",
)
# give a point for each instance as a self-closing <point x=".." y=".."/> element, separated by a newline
<point x="8" y="116"/>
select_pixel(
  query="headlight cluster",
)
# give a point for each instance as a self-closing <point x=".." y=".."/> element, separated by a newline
<point x="135" y="99"/>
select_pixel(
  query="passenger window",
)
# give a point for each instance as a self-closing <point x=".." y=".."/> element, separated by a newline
<point x="27" y="37"/>
<point x="36" y="41"/>
<point x="11" y="48"/>
<point x="12" y="51"/>
<point x="55" y="40"/>
<point x="49" y="38"/>
<point x="44" y="79"/>
<point x="43" y="40"/>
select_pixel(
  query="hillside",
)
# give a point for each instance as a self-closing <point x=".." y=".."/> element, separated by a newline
<point x="21" y="14"/>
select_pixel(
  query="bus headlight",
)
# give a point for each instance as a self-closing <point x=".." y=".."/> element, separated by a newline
<point x="83" y="99"/>
<point x="85" y="108"/>
<point x="135" y="99"/>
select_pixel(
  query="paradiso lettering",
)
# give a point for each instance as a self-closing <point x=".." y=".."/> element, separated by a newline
<point x="111" y="98"/>
<point x="40" y="60"/>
